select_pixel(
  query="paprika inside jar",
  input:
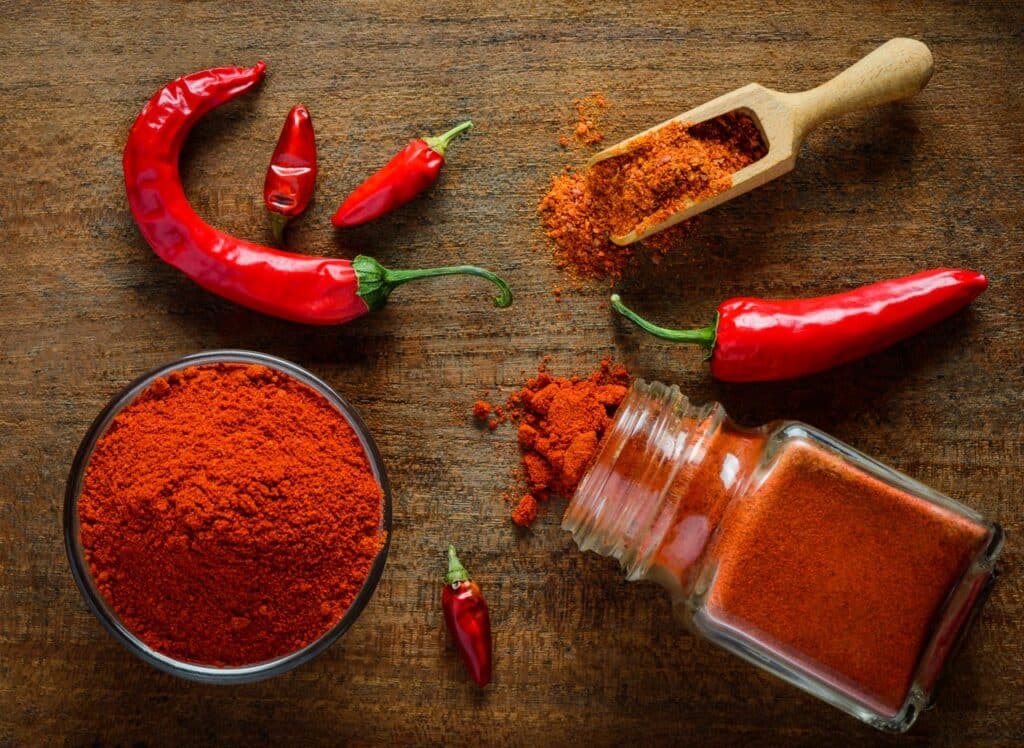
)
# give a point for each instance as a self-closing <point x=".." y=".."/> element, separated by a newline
<point x="790" y="549"/>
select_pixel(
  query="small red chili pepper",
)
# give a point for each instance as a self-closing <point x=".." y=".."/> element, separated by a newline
<point x="409" y="173"/>
<point x="291" y="176"/>
<point x="465" y="613"/>
<point x="757" y="340"/>
<point x="302" y="288"/>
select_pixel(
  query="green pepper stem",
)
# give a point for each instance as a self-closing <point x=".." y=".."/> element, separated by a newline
<point x="456" y="571"/>
<point x="704" y="336"/>
<point x="376" y="282"/>
<point x="439" y="143"/>
<point x="277" y="224"/>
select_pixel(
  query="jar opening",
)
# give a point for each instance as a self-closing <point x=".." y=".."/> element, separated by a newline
<point x="623" y="506"/>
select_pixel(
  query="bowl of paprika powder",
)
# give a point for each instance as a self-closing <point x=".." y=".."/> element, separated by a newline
<point x="227" y="516"/>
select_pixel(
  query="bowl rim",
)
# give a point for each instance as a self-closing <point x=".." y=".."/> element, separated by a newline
<point x="80" y="569"/>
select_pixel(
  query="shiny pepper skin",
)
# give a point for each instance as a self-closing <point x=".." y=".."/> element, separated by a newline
<point x="468" y="620"/>
<point x="291" y="176"/>
<point x="410" y="172"/>
<point x="303" y="288"/>
<point x="757" y="340"/>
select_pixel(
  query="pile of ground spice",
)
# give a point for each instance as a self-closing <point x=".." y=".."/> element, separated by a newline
<point x="586" y="129"/>
<point x="663" y="172"/>
<point x="229" y="515"/>
<point x="561" y="423"/>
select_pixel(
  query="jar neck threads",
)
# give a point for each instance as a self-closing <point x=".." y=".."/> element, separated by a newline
<point x="623" y="506"/>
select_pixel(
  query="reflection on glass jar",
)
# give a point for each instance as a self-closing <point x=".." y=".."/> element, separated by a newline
<point x="790" y="549"/>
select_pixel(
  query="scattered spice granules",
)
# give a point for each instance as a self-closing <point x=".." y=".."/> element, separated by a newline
<point x="481" y="410"/>
<point x="661" y="174"/>
<point x="561" y="423"/>
<point x="587" y="128"/>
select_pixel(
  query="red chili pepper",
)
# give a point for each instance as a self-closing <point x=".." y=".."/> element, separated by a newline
<point x="314" y="290"/>
<point x="291" y="176"/>
<point x="409" y="173"/>
<point x="757" y="340"/>
<point x="465" y="613"/>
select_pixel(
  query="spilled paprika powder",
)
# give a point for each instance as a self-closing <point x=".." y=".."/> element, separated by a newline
<point x="587" y="129"/>
<point x="229" y="515"/>
<point x="561" y="421"/>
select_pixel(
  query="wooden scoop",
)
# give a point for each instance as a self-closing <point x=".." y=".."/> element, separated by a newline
<point x="896" y="70"/>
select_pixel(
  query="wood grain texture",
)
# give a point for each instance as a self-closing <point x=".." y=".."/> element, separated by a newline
<point x="581" y="656"/>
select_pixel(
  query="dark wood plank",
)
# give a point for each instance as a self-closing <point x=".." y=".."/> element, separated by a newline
<point x="580" y="654"/>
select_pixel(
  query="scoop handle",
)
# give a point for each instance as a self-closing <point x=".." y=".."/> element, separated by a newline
<point x="896" y="70"/>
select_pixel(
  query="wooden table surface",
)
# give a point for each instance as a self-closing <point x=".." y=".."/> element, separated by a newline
<point x="581" y="655"/>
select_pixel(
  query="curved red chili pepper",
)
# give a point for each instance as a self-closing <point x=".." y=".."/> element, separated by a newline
<point x="291" y="176"/>
<point x="302" y="288"/>
<point x="467" y="618"/>
<point x="405" y="176"/>
<point x="755" y="340"/>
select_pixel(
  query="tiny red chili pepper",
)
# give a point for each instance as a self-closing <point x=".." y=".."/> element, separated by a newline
<point x="302" y="288"/>
<point x="405" y="176"/>
<point x="757" y="340"/>
<point x="291" y="176"/>
<point x="465" y="613"/>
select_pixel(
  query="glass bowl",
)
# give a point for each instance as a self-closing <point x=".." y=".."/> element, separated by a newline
<point x="106" y="615"/>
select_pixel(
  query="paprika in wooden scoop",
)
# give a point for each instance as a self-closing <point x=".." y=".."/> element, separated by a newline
<point x="896" y="70"/>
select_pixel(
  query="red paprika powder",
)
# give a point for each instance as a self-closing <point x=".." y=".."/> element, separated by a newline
<point x="561" y="421"/>
<point x="229" y="515"/>
<point x="787" y="547"/>
<point x="840" y="570"/>
<point x="663" y="172"/>
<point x="587" y="127"/>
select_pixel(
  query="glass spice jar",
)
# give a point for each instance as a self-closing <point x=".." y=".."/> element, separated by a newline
<point x="790" y="549"/>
